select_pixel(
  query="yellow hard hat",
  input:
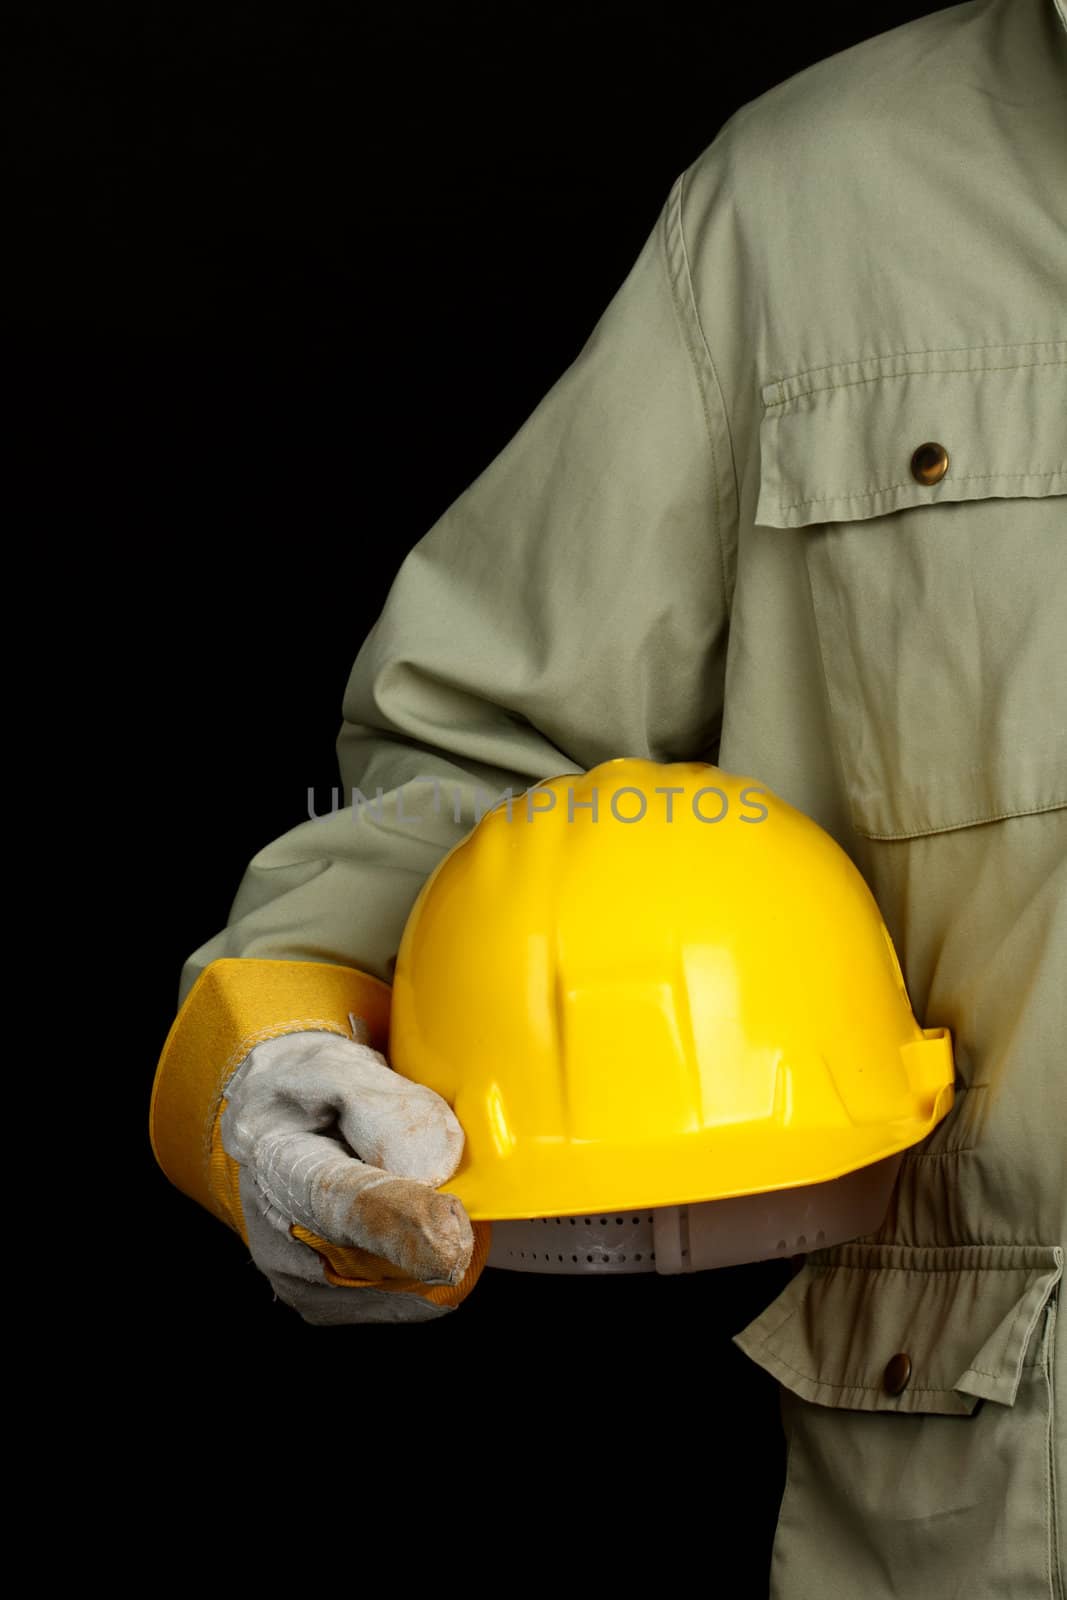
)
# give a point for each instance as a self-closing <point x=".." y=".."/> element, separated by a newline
<point x="658" y="985"/>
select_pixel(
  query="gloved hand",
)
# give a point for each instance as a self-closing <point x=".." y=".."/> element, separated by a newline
<point x="335" y="1148"/>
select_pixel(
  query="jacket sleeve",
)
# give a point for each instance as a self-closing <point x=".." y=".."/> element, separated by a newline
<point x="568" y="607"/>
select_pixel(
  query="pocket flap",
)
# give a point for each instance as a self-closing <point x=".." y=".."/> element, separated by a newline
<point x="962" y="1315"/>
<point x="836" y="443"/>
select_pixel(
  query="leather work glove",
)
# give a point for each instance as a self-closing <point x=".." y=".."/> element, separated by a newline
<point x="339" y="1157"/>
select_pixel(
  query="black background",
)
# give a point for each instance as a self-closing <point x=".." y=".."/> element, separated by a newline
<point x="289" y="277"/>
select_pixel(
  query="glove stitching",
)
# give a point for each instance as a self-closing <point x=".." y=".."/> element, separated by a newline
<point x="323" y="1161"/>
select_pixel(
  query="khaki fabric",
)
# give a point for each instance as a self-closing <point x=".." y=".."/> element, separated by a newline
<point x="708" y="542"/>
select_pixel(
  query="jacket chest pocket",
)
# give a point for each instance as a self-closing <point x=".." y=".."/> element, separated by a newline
<point x="938" y="575"/>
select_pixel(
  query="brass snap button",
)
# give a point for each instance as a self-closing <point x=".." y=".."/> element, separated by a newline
<point x="896" y="1375"/>
<point x="929" y="463"/>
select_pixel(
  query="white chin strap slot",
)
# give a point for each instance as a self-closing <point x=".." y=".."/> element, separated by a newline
<point x="714" y="1233"/>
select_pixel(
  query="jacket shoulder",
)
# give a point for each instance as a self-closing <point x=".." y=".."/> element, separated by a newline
<point x="841" y="111"/>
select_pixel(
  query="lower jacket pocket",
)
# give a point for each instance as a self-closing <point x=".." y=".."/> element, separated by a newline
<point x="920" y="1404"/>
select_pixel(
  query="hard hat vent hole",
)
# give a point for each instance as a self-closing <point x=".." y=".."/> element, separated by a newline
<point x="781" y="1244"/>
<point x="819" y="1237"/>
<point x="801" y="1242"/>
<point x="605" y="1245"/>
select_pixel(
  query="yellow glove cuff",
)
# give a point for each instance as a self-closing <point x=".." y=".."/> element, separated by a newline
<point x="234" y="1005"/>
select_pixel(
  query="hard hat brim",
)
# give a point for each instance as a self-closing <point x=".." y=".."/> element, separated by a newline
<point x="564" y="1177"/>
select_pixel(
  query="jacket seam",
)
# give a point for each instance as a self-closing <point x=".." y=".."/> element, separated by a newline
<point x="883" y="377"/>
<point x="956" y="1272"/>
<point x="932" y="350"/>
<point x="960" y="477"/>
<point x="970" y="822"/>
<point x="866" y="1388"/>
<point x="673" y="224"/>
<point x="1055" y="1568"/>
